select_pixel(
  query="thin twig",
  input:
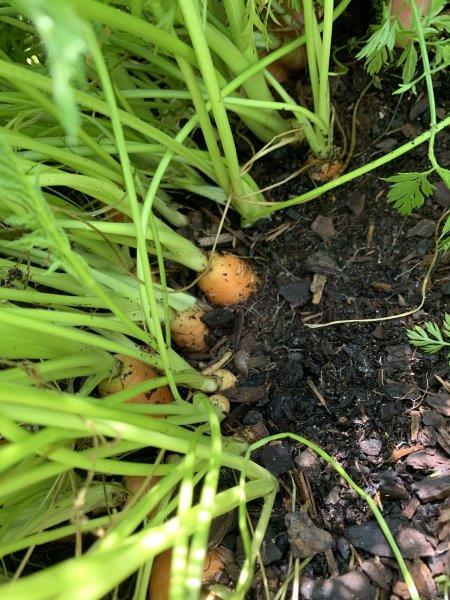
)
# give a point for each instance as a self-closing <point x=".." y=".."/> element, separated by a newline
<point x="317" y="394"/>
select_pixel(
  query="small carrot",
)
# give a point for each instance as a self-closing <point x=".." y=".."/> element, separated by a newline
<point x="228" y="280"/>
<point x="189" y="331"/>
<point x="134" y="371"/>
<point x="216" y="562"/>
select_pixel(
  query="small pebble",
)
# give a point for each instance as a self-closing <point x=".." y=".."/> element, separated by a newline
<point x="333" y="496"/>
<point x="423" y="579"/>
<point x="356" y="205"/>
<point x="369" y="537"/>
<point x="353" y="585"/>
<point x="394" y="490"/>
<point x="424" y="229"/>
<point x="324" y="228"/>
<point x="391" y="486"/>
<point x="387" y="144"/>
<point x="270" y="552"/>
<point x="378" y="573"/>
<point x="293" y="214"/>
<point x="319" y="262"/>
<point x="343" y="548"/>
<point x="295" y="357"/>
<point x="306" y="538"/>
<point x="419" y="108"/>
<point x="371" y="447"/>
<point x="432" y="488"/>
<point x="252" y="417"/>
<point x="218" y="317"/>
<point x="432" y="417"/>
<point x="307" y="460"/>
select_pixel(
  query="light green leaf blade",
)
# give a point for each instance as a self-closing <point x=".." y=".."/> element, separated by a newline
<point x="63" y="35"/>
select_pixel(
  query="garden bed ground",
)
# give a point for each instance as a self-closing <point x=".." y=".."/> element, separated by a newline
<point x="358" y="390"/>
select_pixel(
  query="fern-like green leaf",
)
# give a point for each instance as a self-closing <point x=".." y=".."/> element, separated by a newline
<point x="420" y="338"/>
<point x="409" y="61"/>
<point x="409" y="191"/>
<point x="437" y="18"/>
<point x="430" y="338"/>
<point x="378" y="50"/>
<point x="444" y="239"/>
<point x="446" y="326"/>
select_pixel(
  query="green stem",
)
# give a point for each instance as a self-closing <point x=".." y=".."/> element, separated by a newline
<point x="103" y="570"/>
<point x="231" y="101"/>
<point x="235" y="11"/>
<point x="201" y="111"/>
<point x="140" y="29"/>
<point x="312" y="194"/>
<point x="429" y="82"/>
<point x="194" y="26"/>
<point x="52" y="109"/>
<point x="31" y="296"/>
<point x="192" y="123"/>
<point x="205" y="123"/>
<point x="16" y="72"/>
<point x="247" y="571"/>
<point x="136" y="8"/>
<point x="308" y="11"/>
<point x="71" y="159"/>
<point x="255" y="87"/>
<point x="41" y="322"/>
<point x="46" y="537"/>
<point x="59" y="368"/>
<point x="130" y="519"/>
<point x="114" y="196"/>
<point x="64" y="410"/>
<point x="314" y="139"/>
<point x="188" y="253"/>
<point x="324" y="60"/>
<point x="199" y="543"/>
<point x="289" y="105"/>
<point x="418" y="79"/>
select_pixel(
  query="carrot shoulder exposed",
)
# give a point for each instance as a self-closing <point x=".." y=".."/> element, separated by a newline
<point x="228" y="280"/>
<point x="217" y="560"/>
<point x="134" y="371"/>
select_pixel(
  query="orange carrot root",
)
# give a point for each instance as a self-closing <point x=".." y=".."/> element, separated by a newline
<point x="228" y="280"/>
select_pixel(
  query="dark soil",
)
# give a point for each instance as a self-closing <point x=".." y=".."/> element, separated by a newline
<point x="360" y="391"/>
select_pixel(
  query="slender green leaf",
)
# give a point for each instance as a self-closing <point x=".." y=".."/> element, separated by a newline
<point x="63" y="35"/>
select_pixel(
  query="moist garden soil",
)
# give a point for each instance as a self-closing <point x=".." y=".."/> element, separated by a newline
<point x="359" y="390"/>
